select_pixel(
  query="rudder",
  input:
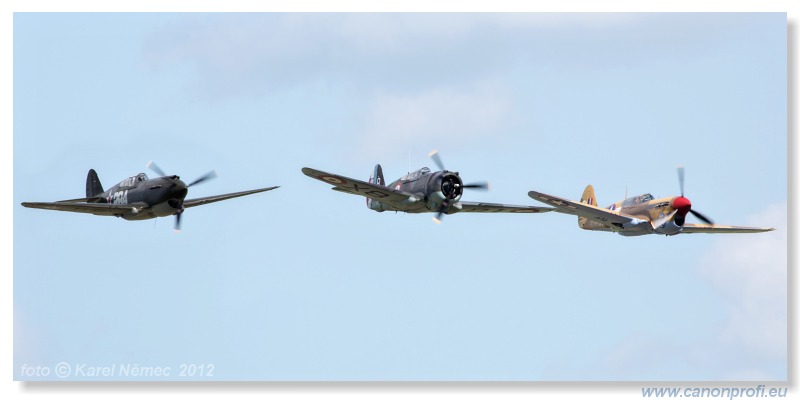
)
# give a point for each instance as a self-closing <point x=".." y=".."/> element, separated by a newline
<point x="93" y="186"/>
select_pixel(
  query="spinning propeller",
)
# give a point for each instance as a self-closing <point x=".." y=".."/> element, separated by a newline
<point x="452" y="186"/>
<point x="180" y="186"/>
<point x="684" y="206"/>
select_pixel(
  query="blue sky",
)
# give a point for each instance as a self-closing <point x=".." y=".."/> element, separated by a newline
<point x="303" y="283"/>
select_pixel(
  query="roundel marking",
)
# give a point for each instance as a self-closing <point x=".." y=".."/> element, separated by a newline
<point x="332" y="179"/>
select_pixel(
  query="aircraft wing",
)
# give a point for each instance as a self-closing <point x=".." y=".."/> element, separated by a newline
<point x="380" y="193"/>
<point x="212" y="199"/>
<point x="476" y="207"/>
<point x="104" y="209"/>
<point x="720" y="229"/>
<point x="594" y="213"/>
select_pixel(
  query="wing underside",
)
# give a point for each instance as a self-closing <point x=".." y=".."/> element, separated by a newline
<point x="593" y="213"/>
<point x="721" y="229"/>
<point x="213" y="199"/>
<point x="106" y="209"/>
<point x="477" y="207"/>
<point x="392" y="197"/>
<point x="103" y="209"/>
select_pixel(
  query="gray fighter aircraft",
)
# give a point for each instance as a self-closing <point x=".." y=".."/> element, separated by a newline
<point x="420" y="191"/>
<point x="139" y="197"/>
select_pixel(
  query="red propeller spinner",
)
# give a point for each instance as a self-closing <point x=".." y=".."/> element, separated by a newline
<point x="682" y="204"/>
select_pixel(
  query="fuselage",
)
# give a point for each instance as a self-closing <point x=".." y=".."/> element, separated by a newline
<point x="158" y="197"/>
<point x="649" y="210"/>
<point x="433" y="188"/>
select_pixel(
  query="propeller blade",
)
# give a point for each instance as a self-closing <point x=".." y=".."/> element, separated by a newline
<point x="680" y="178"/>
<point x="663" y="220"/>
<point x="210" y="175"/>
<point x="152" y="165"/>
<point x="701" y="217"/>
<point x="178" y="222"/>
<point x="479" y="185"/>
<point x="438" y="218"/>
<point x="436" y="159"/>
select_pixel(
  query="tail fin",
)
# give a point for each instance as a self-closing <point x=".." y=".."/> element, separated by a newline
<point x="93" y="186"/>
<point x="377" y="179"/>
<point x="377" y="176"/>
<point x="588" y="198"/>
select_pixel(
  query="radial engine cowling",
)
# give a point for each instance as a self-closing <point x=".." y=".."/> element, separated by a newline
<point x="167" y="208"/>
<point x="451" y="186"/>
<point x="669" y="228"/>
<point x="444" y="188"/>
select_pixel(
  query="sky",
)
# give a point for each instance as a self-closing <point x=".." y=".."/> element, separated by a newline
<point x="302" y="283"/>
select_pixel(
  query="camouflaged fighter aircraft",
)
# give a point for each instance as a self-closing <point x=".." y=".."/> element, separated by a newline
<point x="639" y="215"/>
<point x="139" y="197"/>
<point x="420" y="191"/>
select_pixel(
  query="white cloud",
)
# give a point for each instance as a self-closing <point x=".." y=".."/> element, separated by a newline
<point x="750" y="273"/>
<point x="456" y="115"/>
<point x="254" y="54"/>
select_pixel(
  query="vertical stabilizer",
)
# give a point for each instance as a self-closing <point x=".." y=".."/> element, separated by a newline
<point x="377" y="179"/>
<point x="377" y="176"/>
<point x="588" y="198"/>
<point x="93" y="186"/>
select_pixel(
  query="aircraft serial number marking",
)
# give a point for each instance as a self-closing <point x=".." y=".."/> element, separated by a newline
<point x="354" y="188"/>
<point x="369" y="192"/>
<point x="482" y="209"/>
<point x="118" y="197"/>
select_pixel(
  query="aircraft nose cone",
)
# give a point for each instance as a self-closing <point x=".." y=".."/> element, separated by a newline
<point x="179" y="188"/>
<point x="682" y="204"/>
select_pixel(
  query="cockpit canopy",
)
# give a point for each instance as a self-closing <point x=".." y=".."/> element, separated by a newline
<point x="133" y="181"/>
<point x="636" y="200"/>
<point x="412" y="176"/>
